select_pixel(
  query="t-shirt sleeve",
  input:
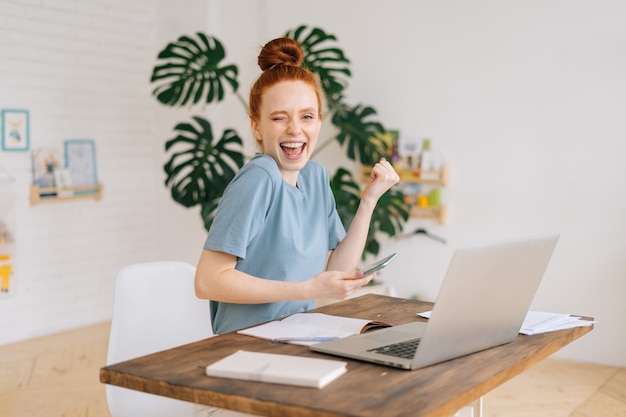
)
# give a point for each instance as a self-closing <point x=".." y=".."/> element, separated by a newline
<point x="241" y="212"/>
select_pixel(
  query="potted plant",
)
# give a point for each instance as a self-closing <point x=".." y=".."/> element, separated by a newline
<point x="192" y="71"/>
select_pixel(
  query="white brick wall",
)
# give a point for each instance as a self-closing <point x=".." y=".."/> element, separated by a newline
<point x="81" y="68"/>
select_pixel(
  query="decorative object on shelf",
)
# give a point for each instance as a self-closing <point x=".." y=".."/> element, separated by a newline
<point x="192" y="70"/>
<point x="45" y="161"/>
<point x="15" y="130"/>
<point x="63" y="182"/>
<point x="429" y="161"/>
<point x="78" y="179"/>
<point x="408" y="158"/>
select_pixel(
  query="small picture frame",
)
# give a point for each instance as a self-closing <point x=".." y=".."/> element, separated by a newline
<point x="15" y="130"/>
<point x="62" y="178"/>
<point x="63" y="182"/>
<point x="80" y="160"/>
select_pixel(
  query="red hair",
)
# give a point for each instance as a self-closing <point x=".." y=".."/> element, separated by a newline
<point x="281" y="60"/>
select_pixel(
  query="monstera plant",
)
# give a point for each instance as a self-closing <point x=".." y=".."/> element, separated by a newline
<point x="192" y="71"/>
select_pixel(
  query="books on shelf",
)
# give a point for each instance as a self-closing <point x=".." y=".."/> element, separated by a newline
<point x="278" y="369"/>
<point x="309" y="328"/>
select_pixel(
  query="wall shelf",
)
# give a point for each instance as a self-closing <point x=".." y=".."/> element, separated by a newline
<point x="439" y="177"/>
<point x="46" y="195"/>
<point x="438" y="213"/>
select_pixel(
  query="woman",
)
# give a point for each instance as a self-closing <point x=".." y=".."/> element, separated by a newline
<point x="277" y="242"/>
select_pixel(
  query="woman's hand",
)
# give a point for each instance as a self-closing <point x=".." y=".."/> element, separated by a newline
<point x="336" y="284"/>
<point x="383" y="177"/>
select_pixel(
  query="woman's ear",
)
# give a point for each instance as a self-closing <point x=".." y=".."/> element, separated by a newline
<point x="256" y="131"/>
<point x="254" y="125"/>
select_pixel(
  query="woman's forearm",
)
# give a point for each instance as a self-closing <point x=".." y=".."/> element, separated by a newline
<point x="347" y="254"/>
<point x="217" y="279"/>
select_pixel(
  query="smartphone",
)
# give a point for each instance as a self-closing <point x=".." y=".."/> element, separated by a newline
<point x="377" y="266"/>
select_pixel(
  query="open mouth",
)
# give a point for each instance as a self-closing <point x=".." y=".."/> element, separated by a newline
<point x="293" y="150"/>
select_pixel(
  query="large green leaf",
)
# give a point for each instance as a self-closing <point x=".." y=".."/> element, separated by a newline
<point x="389" y="217"/>
<point x="347" y="195"/>
<point x="391" y="213"/>
<point x="323" y="57"/>
<point x="358" y="132"/>
<point x="200" y="169"/>
<point x="189" y="71"/>
<point x="207" y="211"/>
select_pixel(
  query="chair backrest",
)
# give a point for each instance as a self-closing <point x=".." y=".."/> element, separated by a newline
<point x="155" y="308"/>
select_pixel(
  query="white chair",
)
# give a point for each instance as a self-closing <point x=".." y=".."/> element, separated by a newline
<point x="155" y="308"/>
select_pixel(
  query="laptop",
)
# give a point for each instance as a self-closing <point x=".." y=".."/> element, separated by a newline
<point x="482" y="303"/>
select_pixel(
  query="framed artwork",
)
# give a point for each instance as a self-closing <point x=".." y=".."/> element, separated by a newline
<point x="15" y="130"/>
<point x="80" y="160"/>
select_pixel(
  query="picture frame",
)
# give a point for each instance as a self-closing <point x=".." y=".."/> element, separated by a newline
<point x="15" y="130"/>
<point x="80" y="160"/>
<point x="62" y="178"/>
<point x="63" y="182"/>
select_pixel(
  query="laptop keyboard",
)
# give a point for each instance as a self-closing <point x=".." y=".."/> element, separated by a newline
<point x="401" y="350"/>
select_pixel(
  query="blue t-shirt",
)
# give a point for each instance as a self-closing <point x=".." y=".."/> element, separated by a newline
<point x="277" y="232"/>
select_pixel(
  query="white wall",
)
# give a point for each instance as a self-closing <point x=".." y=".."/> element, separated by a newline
<point x="79" y="68"/>
<point x="525" y="98"/>
<point x="526" y="101"/>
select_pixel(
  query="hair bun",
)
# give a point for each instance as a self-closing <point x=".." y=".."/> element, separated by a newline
<point x="280" y="51"/>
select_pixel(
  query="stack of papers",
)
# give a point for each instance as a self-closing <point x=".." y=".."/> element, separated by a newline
<point x="539" y="322"/>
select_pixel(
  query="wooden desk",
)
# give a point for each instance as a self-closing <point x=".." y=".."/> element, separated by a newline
<point x="365" y="390"/>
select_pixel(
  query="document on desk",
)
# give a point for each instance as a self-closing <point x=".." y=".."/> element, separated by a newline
<point x="540" y="322"/>
<point x="309" y="328"/>
<point x="537" y="322"/>
<point x="278" y="369"/>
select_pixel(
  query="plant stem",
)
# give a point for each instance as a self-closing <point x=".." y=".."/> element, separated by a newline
<point x="242" y="101"/>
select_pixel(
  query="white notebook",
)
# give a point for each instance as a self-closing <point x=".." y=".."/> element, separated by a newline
<point x="278" y="369"/>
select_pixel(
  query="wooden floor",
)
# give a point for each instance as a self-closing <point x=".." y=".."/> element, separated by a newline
<point x="57" y="376"/>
